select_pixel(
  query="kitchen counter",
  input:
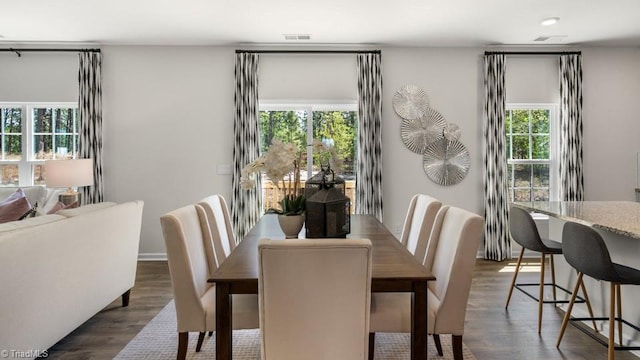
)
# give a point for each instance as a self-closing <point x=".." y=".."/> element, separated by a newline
<point x="619" y="217"/>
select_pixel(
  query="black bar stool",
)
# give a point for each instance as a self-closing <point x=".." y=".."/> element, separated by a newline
<point x="524" y="231"/>
<point x="585" y="250"/>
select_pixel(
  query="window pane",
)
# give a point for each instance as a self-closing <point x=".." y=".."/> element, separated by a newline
<point x="541" y="195"/>
<point x="522" y="175"/>
<point x="520" y="145"/>
<point x="520" y="120"/>
<point x="507" y="121"/>
<point x="12" y="120"/>
<point x="509" y="147"/>
<point x="10" y="175"/>
<point x="338" y="128"/>
<point x="42" y="120"/>
<point x="522" y="195"/>
<point x="38" y="175"/>
<point x="540" y="121"/>
<point x="64" y="120"/>
<point x="287" y="126"/>
<point x="12" y="147"/>
<point x="509" y="175"/>
<point x="541" y="175"/>
<point x="43" y="147"/>
<point x="64" y="147"/>
<point x="540" y="147"/>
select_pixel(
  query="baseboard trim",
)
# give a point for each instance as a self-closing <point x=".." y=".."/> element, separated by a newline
<point x="152" y="257"/>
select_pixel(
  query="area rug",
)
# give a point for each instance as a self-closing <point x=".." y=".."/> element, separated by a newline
<point x="159" y="340"/>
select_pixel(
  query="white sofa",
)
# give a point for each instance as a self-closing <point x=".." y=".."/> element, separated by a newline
<point x="57" y="271"/>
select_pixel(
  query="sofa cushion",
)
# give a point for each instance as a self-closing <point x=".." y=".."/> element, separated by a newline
<point x="61" y="206"/>
<point x="85" y="209"/>
<point x="39" y="220"/>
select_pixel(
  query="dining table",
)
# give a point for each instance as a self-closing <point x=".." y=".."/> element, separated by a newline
<point x="394" y="269"/>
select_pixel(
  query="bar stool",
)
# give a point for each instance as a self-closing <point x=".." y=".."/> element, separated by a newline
<point x="585" y="250"/>
<point x="524" y="232"/>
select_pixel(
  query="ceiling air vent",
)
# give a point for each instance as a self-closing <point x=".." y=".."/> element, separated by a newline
<point x="550" y="38"/>
<point x="297" y="37"/>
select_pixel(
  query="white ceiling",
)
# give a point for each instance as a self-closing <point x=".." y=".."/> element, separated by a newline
<point x="329" y="22"/>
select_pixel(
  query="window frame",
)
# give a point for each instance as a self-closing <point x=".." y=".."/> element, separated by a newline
<point x="28" y="162"/>
<point x="553" y="109"/>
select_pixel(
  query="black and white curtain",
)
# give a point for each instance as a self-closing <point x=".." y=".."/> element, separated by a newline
<point x="369" y="179"/>
<point x="90" y="121"/>
<point x="246" y="205"/>
<point x="570" y="157"/>
<point x="497" y="243"/>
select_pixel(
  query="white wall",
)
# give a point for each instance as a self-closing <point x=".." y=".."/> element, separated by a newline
<point x="37" y="76"/>
<point x="611" y="94"/>
<point x="168" y="122"/>
<point x="168" y="116"/>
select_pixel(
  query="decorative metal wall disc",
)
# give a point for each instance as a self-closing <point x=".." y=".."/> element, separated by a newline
<point x="452" y="132"/>
<point x="417" y="134"/>
<point x="446" y="162"/>
<point x="410" y="102"/>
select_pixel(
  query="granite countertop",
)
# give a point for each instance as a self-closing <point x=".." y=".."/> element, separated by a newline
<point x="620" y="217"/>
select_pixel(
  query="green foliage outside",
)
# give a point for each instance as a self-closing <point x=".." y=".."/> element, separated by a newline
<point x="337" y="127"/>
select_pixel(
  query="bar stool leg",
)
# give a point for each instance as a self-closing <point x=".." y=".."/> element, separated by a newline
<point x="612" y="318"/>
<point x="567" y="315"/>
<point x="588" y="303"/>
<point x="619" y="305"/>
<point x="553" y="276"/>
<point x="515" y="275"/>
<point x="541" y="295"/>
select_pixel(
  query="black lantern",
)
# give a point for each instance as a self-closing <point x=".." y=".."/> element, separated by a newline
<point x="324" y="176"/>
<point x="327" y="213"/>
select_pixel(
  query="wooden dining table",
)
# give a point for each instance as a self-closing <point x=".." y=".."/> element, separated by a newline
<point x="394" y="269"/>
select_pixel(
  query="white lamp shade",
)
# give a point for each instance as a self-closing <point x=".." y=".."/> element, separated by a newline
<point x="68" y="173"/>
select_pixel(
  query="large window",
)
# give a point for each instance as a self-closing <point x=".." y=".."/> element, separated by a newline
<point x="530" y="134"/>
<point x="32" y="133"/>
<point x="334" y="124"/>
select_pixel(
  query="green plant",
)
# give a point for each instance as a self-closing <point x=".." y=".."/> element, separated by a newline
<point x="290" y="205"/>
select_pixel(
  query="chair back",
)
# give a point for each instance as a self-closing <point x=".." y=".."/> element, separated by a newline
<point x="314" y="298"/>
<point x="187" y="265"/>
<point x="217" y="229"/>
<point x="523" y="230"/>
<point x="418" y="223"/>
<point x="455" y="249"/>
<point x="585" y="250"/>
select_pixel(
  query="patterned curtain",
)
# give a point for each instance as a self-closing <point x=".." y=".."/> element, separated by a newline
<point x="369" y="178"/>
<point x="246" y="205"/>
<point x="90" y="121"/>
<point x="571" y="173"/>
<point x="497" y="243"/>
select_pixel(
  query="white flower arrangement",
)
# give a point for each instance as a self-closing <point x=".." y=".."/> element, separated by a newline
<point x="281" y="163"/>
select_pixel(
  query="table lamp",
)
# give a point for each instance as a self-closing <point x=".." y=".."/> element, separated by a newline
<point x="69" y="174"/>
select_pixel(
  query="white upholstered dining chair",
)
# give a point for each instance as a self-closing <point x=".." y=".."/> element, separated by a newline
<point x="314" y="298"/>
<point x="454" y="244"/>
<point x="194" y="296"/>
<point x="214" y="212"/>
<point x="418" y="223"/>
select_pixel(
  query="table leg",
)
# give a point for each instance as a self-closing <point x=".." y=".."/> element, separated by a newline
<point x="223" y="322"/>
<point x="419" y="321"/>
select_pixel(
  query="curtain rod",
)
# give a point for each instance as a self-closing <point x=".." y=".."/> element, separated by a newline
<point x="20" y="51"/>
<point x="533" y="52"/>
<point x="310" y="51"/>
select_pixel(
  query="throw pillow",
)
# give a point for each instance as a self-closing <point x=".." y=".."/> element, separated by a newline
<point x="14" y="210"/>
<point x="16" y="195"/>
<point x="61" y="206"/>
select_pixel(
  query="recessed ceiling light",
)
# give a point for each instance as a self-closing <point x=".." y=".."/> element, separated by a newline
<point x="549" y="21"/>
<point x="297" y="37"/>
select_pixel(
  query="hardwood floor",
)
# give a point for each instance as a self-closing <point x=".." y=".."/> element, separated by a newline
<point x="491" y="332"/>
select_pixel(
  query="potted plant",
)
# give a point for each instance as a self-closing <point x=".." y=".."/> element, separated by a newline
<point x="281" y="163"/>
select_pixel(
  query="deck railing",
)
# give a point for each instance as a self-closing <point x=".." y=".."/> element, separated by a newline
<point x="270" y="196"/>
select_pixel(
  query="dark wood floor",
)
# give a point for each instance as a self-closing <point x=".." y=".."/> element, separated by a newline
<point x="491" y="332"/>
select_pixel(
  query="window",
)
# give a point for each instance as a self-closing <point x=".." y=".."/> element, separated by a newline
<point x="32" y="133"/>
<point x="334" y="124"/>
<point x="531" y="166"/>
